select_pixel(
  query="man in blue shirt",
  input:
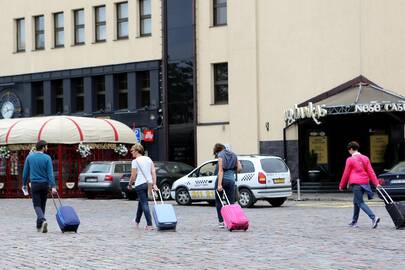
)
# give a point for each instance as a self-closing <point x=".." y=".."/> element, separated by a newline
<point x="38" y="167"/>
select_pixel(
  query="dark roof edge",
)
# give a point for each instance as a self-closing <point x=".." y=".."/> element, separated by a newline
<point x="341" y="88"/>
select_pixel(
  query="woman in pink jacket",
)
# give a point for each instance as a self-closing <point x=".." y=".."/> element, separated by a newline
<point x="358" y="172"/>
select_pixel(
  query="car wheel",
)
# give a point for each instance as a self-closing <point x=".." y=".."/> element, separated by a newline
<point x="165" y="189"/>
<point x="90" y="195"/>
<point x="183" y="197"/>
<point x="131" y="196"/>
<point x="246" y="198"/>
<point x="277" y="202"/>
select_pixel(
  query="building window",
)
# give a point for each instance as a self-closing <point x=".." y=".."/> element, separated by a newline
<point x="100" y="24"/>
<point x="59" y="29"/>
<point x="99" y="90"/>
<point x="122" y="87"/>
<point x="78" y="89"/>
<point x="39" y="32"/>
<point x="145" y="17"/>
<point x="122" y="20"/>
<point x="38" y="93"/>
<point x="20" y="26"/>
<point x="144" y="85"/>
<point x="220" y="16"/>
<point x="221" y="83"/>
<point x="79" y="26"/>
<point x="57" y="88"/>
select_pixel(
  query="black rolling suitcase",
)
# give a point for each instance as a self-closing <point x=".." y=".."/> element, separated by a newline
<point x="395" y="209"/>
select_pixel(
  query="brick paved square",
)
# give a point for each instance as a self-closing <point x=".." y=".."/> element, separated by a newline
<point x="299" y="235"/>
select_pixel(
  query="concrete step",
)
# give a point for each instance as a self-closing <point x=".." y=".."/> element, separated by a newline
<point x="318" y="187"/>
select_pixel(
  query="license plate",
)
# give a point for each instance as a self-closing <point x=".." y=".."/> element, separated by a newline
<point x="278" y="180"/>
<point x="398" y="181"/>
<point x="91" y="179"/>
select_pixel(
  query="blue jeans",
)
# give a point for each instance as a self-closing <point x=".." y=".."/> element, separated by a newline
<point x="39" y="196"/>
<point x="229" y="186"/>
<point x="143" y="206"/>
<point x="359" y="203"/>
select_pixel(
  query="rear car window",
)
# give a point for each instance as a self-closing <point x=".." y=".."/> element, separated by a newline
<point x="247" y="166"/>
<point x="273" y="165"/>
<point x="119" y="168"/>
<point x="98" y="168"/>
<point x="185" y="168"/>
<point x="399" y="168"/>
<point x="173" y="168"/>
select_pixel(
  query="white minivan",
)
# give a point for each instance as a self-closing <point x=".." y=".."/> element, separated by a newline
<point x="262" y="178"/>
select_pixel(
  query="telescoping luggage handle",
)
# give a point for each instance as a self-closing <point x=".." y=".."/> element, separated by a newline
<point x="387" y="198"/>
<point x="53" y="199"/>
<point x="160" y="195"/>
<point x="220" y="198"/>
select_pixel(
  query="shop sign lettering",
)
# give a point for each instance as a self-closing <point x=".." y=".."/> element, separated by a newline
<point x="311" y="111"/>
<point x="379" y="107"/>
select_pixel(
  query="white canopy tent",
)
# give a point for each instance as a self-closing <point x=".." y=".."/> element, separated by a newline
<point x="64" y="130"/>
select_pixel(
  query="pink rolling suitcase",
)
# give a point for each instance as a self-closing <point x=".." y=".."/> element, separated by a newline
<point x="234" y="217"/>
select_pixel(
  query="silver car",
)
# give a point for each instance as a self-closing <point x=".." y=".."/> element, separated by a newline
<point x="103" y="177"/>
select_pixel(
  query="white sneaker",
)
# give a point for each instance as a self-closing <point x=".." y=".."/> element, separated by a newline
<point x="375" y="222"/>
<point x="221" y="225"/>
<point x="44" y="227"/>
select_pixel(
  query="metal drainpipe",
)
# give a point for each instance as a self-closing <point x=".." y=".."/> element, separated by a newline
<point x="195" y="105"/>
<point x="165" y="143"/>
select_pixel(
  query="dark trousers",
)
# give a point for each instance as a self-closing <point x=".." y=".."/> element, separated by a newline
<point x="39" y="196"/>
<point x="143" y="206"/>
<point x="359" y="203"/>
<point x="228" y="186"/>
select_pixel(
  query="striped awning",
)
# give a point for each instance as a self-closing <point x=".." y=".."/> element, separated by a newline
<point x="64" y="130"/>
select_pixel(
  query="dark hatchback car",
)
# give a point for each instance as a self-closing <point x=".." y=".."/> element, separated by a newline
<point x="393" y="181"/>
<point x="166" y="171"/>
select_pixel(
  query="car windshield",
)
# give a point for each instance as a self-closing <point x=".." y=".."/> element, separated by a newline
<point x="98" y="168"/>
<point x="273" y="165"/>
<point x="399" y="168"/>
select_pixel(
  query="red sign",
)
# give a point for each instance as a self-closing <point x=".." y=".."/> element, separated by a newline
<point x="148" y="135"/>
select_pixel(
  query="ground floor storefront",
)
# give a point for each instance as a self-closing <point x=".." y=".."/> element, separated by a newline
<point x="318" y="131"/>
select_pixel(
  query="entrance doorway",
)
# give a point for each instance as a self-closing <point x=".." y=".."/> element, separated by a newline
<point x="374" y="132"/>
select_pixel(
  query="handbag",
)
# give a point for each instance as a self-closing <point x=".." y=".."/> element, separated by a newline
<point x="149" y="183"/>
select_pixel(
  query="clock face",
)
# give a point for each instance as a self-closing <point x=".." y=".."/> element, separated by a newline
<point x="7" y="109"/>
<point x="10" y="104"/>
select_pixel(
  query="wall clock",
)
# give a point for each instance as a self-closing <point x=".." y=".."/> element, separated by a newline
<point x="10" y="104"/>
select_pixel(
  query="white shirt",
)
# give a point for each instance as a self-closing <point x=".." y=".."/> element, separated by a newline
<point x="143" y="165"/>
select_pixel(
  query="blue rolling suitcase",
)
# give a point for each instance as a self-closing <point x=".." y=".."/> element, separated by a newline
<point x="164" y="215"/>
<point x="66" y="216"/>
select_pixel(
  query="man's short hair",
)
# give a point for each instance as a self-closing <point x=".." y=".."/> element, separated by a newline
<point x="353" y="145"/>
<point x="40" y="145"/>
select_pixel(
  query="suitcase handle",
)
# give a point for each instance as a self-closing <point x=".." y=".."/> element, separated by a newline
<point x="220" y="198"/>
<point x="53" y="199"/>
<point x="385" y="195"/>
<point x="160" y="195"/>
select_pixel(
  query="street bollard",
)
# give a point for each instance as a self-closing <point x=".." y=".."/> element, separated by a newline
<point x="298" y="190"/>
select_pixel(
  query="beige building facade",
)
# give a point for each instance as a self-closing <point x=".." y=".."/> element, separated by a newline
<point x="283" y="53"/>
<point x="134" y="47"/>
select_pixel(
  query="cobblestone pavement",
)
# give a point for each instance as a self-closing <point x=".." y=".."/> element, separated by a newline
<point x="307" y="234"/>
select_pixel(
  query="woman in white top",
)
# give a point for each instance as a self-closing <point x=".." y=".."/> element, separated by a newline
<point x="143" y="172"/>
